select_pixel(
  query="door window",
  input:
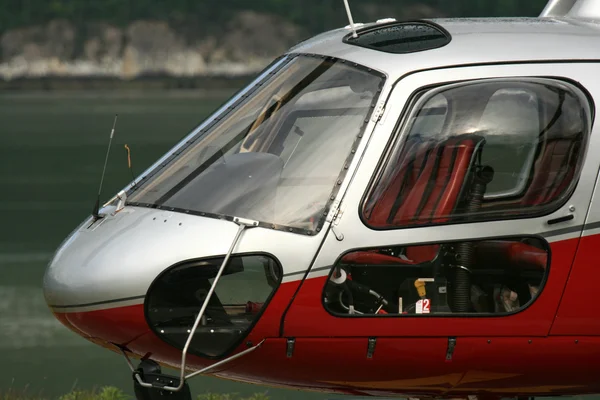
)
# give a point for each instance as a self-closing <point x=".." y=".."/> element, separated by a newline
<point x="493" y="276"/>
<point x="482" y="150"/>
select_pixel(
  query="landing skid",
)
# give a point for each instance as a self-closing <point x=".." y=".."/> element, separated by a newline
<point x="150" y="372"/>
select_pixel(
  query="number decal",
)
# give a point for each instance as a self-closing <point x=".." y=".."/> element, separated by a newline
<point x="426" y="306"/>
<point x="423" y="306"/>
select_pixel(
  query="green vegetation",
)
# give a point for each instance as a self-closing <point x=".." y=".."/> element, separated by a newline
<point x="208" y="15"/>
<point x="112" y="393"/>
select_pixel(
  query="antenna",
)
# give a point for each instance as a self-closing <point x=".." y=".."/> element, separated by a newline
<point x="354" y="35"/>
<point x="129" y="163"/>
<point x="97" y="205"/>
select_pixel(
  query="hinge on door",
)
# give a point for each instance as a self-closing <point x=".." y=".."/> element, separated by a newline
<point x="451" y="346"/>
<point x="371" y="347"/>
<point x="333" y="211"/>
<point x="290" y="347"/>
<point x="378" y="112"/>
<point x="338" y="215"/>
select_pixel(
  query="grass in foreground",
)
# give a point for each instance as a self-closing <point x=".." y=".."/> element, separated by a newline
<point x="112" y="393"/>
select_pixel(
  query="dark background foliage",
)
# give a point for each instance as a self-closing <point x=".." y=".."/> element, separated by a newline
<point x="207" y="15"/>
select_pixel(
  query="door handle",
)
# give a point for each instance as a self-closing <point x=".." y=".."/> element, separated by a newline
<point x="560" y="219"/>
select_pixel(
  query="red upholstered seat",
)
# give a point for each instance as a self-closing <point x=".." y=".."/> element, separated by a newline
<point x="425" y="188"/>
<point x="385" y="201"/>
<point x="553" y="170"/>
<point x="517" y="254"/>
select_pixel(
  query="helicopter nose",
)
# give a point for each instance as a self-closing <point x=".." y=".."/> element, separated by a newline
<point x="88" y="290"/>
<point x="97" y="280"/>
<point x="84" y="273"/>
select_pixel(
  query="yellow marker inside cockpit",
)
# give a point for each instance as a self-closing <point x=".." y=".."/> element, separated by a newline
<point x="420" y="285"/>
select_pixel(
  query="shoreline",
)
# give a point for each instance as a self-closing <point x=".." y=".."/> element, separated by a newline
<point x="159" y="83"/>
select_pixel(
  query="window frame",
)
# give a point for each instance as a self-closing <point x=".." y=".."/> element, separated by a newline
<point x="541" y="288"/>
<point x="191" y="262"/>
<point x="421" y="95"/>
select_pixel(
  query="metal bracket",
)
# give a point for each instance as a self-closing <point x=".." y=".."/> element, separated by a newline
<point x="122" y="196"/>
<point x="182" y="380"/>
<point x="371" y="347"/>
<point x="291" y="343"/>
<point x="379" y="110"/>
<point x="333" y="211"/>
<point x="339" y="236"/>
<point x="338" y="214"/>
<point x="248" y="223"/>
<point x="451" y="346"/>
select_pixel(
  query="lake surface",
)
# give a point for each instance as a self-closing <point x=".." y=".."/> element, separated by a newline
<point x="52" y="149"/>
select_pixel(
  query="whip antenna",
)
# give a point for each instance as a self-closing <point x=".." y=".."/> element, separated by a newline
<point x="97" y="205"/>
<point x="128" y="150"/>
<point x="354" y="35"/>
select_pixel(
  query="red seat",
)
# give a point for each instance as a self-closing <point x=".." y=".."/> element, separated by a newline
<point x="386" y="199"/>
<point x="553" y="170"/>
<point x="425" y="188"/>
<point x="517" y="254"/>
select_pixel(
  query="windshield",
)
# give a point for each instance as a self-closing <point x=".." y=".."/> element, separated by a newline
<point x="276" y="157"/>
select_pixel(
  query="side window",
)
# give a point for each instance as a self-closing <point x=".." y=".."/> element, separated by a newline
<point x="494" y="276"/>
<point x="482" y="150"/>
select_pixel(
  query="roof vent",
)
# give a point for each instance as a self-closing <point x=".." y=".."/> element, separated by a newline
<point x="401" y="37"/>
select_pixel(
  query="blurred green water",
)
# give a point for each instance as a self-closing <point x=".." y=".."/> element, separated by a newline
<point x="52" y="148"/>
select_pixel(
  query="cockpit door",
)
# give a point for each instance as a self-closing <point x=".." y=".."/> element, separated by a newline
<point x="466" y="211"/>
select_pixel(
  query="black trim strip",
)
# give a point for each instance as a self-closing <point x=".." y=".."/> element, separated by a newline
<point x="97" y="303"/>
<point x="571" y="229"/>
<point x="592" y="225"/>
<point x="304" y="271"/>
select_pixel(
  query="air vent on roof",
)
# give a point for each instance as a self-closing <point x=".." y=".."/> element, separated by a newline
<point x="401" y="37"/>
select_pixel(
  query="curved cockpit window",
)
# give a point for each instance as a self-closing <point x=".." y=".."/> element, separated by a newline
<point x="240" y="296"/>
<point x="482" y="150"/>
<point x="493" y="277"/>
<point x="276" y="157"/>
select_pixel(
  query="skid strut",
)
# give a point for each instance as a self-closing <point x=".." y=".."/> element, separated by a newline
<point x="148" y="375"/>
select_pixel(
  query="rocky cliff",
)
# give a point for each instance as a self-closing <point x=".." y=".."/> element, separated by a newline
<point x="59" y="49"/>
<point x="241" y="47"/>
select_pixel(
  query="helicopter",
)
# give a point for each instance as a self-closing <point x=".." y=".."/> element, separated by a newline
<point x="394" y="208"/>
